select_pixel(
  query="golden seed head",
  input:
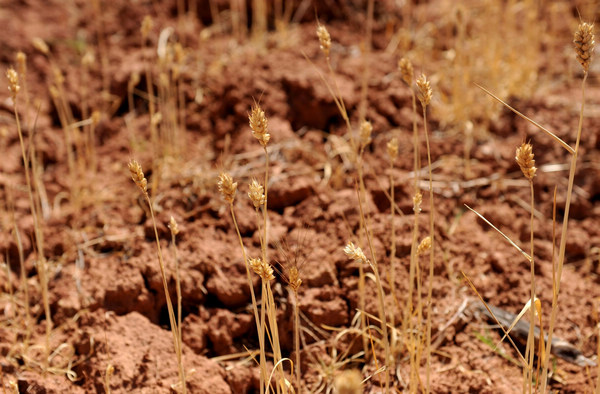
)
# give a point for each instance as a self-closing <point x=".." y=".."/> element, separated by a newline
<point x="324" y="39"/>
<point x="95" y="117"/>
<point x="348" y="382"/>
<point x="13" y="82"/>
<point x="258" y="125"/>
<point x="227" y="187"/>
<point x="163" y="80"/>
<point x="257" y="194"/>
<point x="417" y="200"/>
<point x="424" y="246"/>
<point x="21" y="63"/>
<point x="294" y="278"/>
<point x="524" y="157"/>
<point x="261" y="268"/>
<point x="40" y="45"/>
<point x="88" y="59"/>
<point x="406" y="70"/>
<point x="156" y="119"/>
<point x="366" y="128"/>
<point x="59" y="78"/>
<point x="255" y="264"/>
<point x="53" y="91"/>
<point x="147" y="25"/>
<point x="425" y="91"/>
<point x="137" y="174"/>
<point x="392" y="148"/>
<point x="584" y="44"/>
<point x="355" y="253"/>
<point x="135" y="79"/>
<point x="179" y="53"/>
<point x="173" y="226"/>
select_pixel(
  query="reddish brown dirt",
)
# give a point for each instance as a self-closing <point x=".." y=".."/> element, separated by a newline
<point x="105" y="290"/>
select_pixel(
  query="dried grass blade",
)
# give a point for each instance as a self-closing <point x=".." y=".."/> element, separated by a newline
<point x="533" y="122"/>
<point x="518" y="317"/>
<point x="500" y="232"/>
<point x="472" y="285"/>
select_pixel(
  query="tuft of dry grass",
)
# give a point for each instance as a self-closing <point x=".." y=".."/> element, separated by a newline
<point x="14" y="88"/>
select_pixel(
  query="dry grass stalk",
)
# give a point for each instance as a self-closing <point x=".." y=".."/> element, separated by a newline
<point x="293" y="259"/>
<point x="524" y="158"/>
<point x="137" y="175"/>
<point x="227" y="187"/>
<point x="14" y="88"/>
<point x="145" y="29"/>
<point x="259" y="127"/>
<point x="407" y="75"/>
<point x="174" y="227"/>
<point x="587" y="31"/>
<point x="355" y="253"/>
<point x="425" y="93"/>
<point x="392" y="151"/>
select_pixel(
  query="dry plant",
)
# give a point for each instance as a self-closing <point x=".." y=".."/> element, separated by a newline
<point x="291" y="264"/>
<point x="584" y="45"/>
<point x="584" y="48"/>
<point x="412" y="342"/>
<point x="41" y="266"/>
<point x="525" y="160"/>
<point x="228" y="188"/>
<point x="174" y="228"/>
<point x="425" y="93"/>
<point x="137" y="174"/>
<point x="146" y="28"/>
<point x="260" y="13"/>
<point x="499" y="43"/>
<point x="325" y="46"/>
<point x="392" y="151"/>
<point x="258" y="195"/>
<point x="355" y="253"/>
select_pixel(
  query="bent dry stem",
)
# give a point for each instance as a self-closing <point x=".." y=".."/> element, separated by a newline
<point x="138" y="177"/>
